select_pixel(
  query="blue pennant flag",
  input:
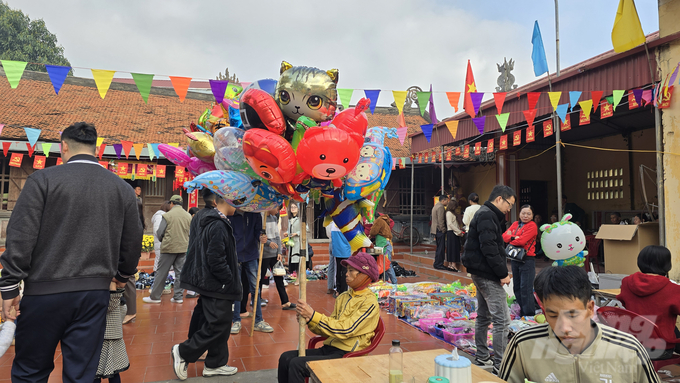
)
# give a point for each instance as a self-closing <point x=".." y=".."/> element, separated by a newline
<point x="573" y="98"/>
<point x="427" y="131"/>
<point x="373" y="96"/>
<point x="155" y="150"/>
<point x="562" y="111"/>
<point x="32" y="135"/>
<point x="538" y="53"/>
<point x="57" y="75"/>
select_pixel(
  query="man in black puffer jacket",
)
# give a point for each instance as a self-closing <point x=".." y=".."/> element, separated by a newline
<point x="485" y="258"/>
<point x="211" y="270"/>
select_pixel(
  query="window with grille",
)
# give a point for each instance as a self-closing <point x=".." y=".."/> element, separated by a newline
<point x="419" y="201"/>
<point x="605" y="184"/>
<point x="155" y="189"/>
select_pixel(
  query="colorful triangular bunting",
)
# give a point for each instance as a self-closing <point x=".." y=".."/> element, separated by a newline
<point x="573" y="98"/>
<point x="433" y="114"/>
<point x="46" y="146"/>
<point x="57" y="75"/>
<point x="554" y="98"/>
<point x="13" y="70"/>
<point x="143" y="82"/>
<point x="476" y="98"/>
<point x="454" y="98"/>
<point x="218" y="88"/>
<point x="561" y="111"/>
<point x="596" y="96"/>
<point x="149" y="148"/>
<point x="127" y="146"/>
<point x="532" y="98"/>
<point x="373" y="96"/>
<point x="345" y="97"/>
<point x="452" y="126"/>
<point x="423" y="98"/>
<point x="138" y="149"/>
<point x="32" y="134"/>
<point x="503" y="120"/>
<point x="618" y="95"/>
<point x="530" y="115"/>
<point x="586" y="106"/>
<point x="181" y="85"/>
<point x="399" y="99"/>
<point x="479" y="123"/>
<point x="31" y="149"/>
<point x="499" y="98"/>
<point x="5" y="147"/>
<point x="427" y="131"/>
<point x="401" y="133"/>
<point x="103" y="78"/>
<point x="118" y="148"/>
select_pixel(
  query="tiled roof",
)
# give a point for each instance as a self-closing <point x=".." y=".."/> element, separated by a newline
<point x="123" y="115"/>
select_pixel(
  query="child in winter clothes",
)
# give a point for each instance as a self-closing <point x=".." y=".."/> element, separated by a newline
<point x="114" y="358"/>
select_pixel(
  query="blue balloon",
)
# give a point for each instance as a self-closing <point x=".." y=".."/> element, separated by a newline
<point x="374" y="167"/>
<point x="239" y="190"/>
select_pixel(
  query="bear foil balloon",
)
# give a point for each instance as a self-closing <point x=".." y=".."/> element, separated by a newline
<point x="328" y="153"/>
<point x="239" y="190"/>
<point x="562" y="240"/>
<point x="304" y="91"/>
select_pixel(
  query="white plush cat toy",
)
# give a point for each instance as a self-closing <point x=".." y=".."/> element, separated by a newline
<point x="564" y="242"/>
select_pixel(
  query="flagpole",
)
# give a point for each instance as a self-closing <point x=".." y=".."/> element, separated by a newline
<point x="556" y="125"/>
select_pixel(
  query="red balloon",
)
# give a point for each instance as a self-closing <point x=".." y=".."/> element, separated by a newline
<point x="328" y="153"/>
<point x="260" y="110"/>
<point x="349" y="121"/>
<point x="270" y="156"/>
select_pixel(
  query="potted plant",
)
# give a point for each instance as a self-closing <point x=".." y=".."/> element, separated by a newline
<point x="147" y="246"/>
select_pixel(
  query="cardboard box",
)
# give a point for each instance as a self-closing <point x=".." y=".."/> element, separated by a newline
<point x="622" y="244"/>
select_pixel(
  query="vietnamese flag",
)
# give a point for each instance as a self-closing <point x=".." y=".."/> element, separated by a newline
<point x="39" y="162"/>
<point x="160" y="171"/>
<point x="470" y="86"/>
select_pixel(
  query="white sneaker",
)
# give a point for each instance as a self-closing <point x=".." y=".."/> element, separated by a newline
<point x="235" y="327"/>
<point x="263" y="327"/>
<point x="265" y="287"/>
<point x="285" y="283"/>
<point x="224" y="370"/>
<point x="149" y="300"/>
<point x="173" y="300"/>
<point x="178" y="364"/>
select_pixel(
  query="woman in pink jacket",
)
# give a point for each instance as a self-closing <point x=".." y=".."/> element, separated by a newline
<point x="523" y="234"/>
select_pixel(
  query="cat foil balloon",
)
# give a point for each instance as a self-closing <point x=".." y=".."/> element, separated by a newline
<point x="305" y="91"/>
<point x="562" y="240"/>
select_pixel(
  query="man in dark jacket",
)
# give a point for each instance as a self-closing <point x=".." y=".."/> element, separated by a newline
<point x="211" y="270"/>
<point x="485" y="259"/>
<point x="75" y="227"/>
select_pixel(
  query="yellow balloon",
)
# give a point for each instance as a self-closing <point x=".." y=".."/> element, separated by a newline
<point x="203" y="147"/>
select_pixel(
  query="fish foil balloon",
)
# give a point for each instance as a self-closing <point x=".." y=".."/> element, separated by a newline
<point x="374" y="168"/>
<point x="201" y="146"/>
<point x="346" y="214"/>
<point x="239" y="190"/>
<point x="178" y="157"/>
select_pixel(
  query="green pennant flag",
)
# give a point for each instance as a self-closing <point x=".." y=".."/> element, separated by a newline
<point x="143" y="82"/>
<point x="345" y="97"/>
<point x="46" y="146"/>
<point x="13" y="70"/>
<point x="423" y="99"/>
<point x="152" y="154"/>
<point x="610" y="99"/>
<point x="503" y="120"/>
<point x="618" y="95"/>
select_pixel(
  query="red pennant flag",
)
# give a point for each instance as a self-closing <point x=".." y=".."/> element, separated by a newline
<point x="142" y="170"/>
<point x="666" y="97"/>
<point x="499" y="98"/>
<point x="104" y="164"/>
<point x="5" y="147"/>
<point x="160" y="171"/>
<point x="478" y="148"/>
<point x="458" y="151"/>
<point x="101" y="150"/>
<point x="530" y="115"/>
<point x="532" y="97"/>
<point x="597" y="95"/>
<point x="632" y="104"/>
<point x="181" y="85"/>
<point x="606" y="110"/>
<point x="504" y="142"/>
<point x="489" y="146"/>
<point x="517" y="138"/>
<point x="547" y="128"/>
<point x="122" y="169"/>
<point x="15" y="161"/>
<point x="466" y="151"/>
<point x="60" y="161"/>
<point x="127" y="146"/>
<point x="39" y="162"/>
<point x="566" y="124"/>
<point x="31" y="149"/>
<point x="584" y="119"/>
<point x="469" y="87"/>
<point x="530" y="134"/>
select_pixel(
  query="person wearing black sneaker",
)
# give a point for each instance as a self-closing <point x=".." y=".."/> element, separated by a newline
<point x="485" y="260"/>
<point x="211" y="270"/>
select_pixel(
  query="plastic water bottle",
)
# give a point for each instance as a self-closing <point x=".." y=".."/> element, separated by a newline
<point x="396" y="363"/>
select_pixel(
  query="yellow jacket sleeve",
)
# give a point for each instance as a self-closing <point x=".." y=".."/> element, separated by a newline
<point x="353" y="321"/>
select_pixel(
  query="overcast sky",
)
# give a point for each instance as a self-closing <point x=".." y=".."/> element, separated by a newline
<point x="388" y="45"/>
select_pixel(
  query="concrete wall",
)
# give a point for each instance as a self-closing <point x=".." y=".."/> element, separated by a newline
<point x="668" y="57"/>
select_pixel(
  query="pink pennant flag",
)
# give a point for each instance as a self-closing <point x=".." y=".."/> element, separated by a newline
<point x="1" y="126"/>
<point x="245" y="84"/>
<point x="401" y="133"/>
<point x="647" y="96"/>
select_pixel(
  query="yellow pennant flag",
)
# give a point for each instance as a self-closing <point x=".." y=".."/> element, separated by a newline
<point x="138" y="149"/>
<point x="100" y="141"/>
<point x="627" y="32"/>
<point x="452" y="126"/>
<point x="554" y="99"/>
<point x="399" y="99"/>
<point x="586" y="106"/>
<point x="103" y="80"/>
<point x="175" y="144"/>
